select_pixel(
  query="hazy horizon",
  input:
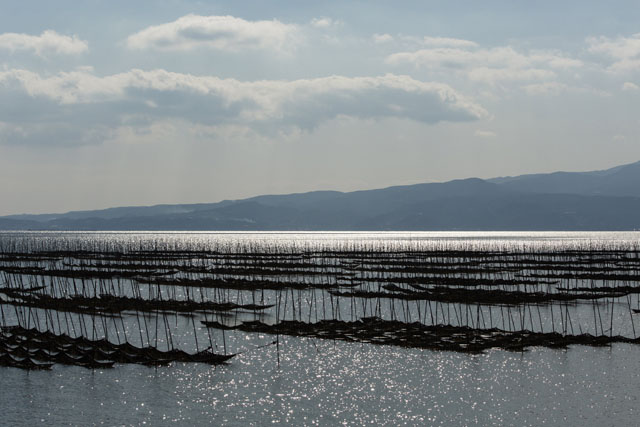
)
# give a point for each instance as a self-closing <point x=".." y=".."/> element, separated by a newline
<point x="276" y="194"/>
<point x="109" y="104"/>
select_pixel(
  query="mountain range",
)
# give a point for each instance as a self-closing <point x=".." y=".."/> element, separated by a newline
<point x="598" y="200"/>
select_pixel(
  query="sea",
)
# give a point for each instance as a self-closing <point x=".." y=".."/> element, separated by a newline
<point x="321" y="382"/>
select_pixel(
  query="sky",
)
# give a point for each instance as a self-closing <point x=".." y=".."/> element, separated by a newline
<point x="120" y="103"/>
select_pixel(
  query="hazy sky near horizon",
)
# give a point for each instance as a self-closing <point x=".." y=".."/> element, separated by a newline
<point x="136" y="103"/>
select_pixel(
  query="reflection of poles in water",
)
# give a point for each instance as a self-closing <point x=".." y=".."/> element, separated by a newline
<point x="600" y="318"/>
<point x="611" y="324"/>
<point x="202" y="298"/>
<point x="633" y="327"/>
<point x="568" y="320"/>
<point x="595" y="316"/>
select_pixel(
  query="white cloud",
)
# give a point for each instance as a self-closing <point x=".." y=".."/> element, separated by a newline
<point x="499" y="57"/>
<point x="67" y="87"/>
<point x="556" y="88"/>
<point x="624" y="51"/>
<point x="625" y="66"/>
<point x="630" y="86"/>
<point x="46" y="43"/>
<point x="554" y="60"/>
<point x="619" y="48"/>
<point x="487" y="65"/>
<point x="546" y="88"/>
<point x="495" y="75"/>
<point x="323" y="22"/>
<point x="382" y="38"/>
<point x="216" y="32"/>
<point x="448" y="42"/>
<point x="269" y="103"/>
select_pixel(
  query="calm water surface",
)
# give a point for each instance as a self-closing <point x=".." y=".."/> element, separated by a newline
<point x="332" y="383"/>
<point x="325" y="383"/>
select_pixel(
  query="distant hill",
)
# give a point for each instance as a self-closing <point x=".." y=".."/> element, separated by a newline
<point x="618" y="181"/>
<point x="599" y="200"/>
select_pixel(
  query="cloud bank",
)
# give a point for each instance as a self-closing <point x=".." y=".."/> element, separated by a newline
<point x="226" y="33"/>
<point x="485" y="65"/>
<point x="46" y="43"/>
<point x="624" y="51"/>
<point x="211" y="100"/>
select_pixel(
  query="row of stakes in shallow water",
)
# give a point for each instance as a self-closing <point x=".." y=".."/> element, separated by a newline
<point x="97" y="309"/>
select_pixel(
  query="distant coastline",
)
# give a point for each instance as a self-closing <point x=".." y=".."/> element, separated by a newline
<point x="562" y="201"/>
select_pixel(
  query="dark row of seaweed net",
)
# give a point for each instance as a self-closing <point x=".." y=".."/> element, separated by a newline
<point x="33" y="349"/>
<point x="458" y="285"/>
<point x="374" y="330"/>
<point x="106" y="303"/>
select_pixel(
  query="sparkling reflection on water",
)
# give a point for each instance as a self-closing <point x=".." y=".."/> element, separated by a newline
<point x="243" y="241"/>
<point x="327" y="383"/>
<point x="331" y="383"/>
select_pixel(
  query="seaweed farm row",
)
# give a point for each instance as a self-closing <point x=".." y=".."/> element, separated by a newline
<point x="95" y="301"/>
